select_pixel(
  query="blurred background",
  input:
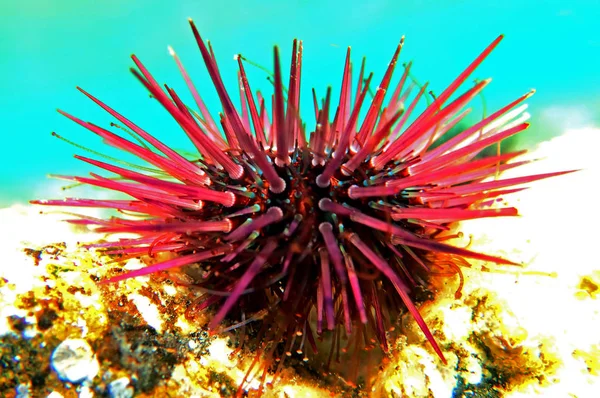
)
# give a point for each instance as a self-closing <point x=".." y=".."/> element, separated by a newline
<point x="48" y="47"/>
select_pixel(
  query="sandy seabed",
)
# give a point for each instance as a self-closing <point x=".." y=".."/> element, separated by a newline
<point x="515" y="331"/>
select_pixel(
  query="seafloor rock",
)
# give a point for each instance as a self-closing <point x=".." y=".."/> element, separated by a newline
<point x="120" y="388"/>
<point x="512" y="331"/>
<point x="74" y="361"/>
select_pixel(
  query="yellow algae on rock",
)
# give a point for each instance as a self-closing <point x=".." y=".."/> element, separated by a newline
<point x="486" y="352"/>
<point x="141" y="330"/>
<point x="591" y="357"/>
<point x="589" y="286"/>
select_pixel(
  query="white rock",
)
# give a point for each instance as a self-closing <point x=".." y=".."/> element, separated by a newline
<point x="120" y="388"/>
<point x="23" y="391"/>
<point x="85" y="392"/>
<point x="74" y="361"/>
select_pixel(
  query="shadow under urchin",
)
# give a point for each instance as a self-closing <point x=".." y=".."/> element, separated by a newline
<point x="303" y="236"/>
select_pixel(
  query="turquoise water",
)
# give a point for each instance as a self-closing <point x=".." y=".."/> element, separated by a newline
<point x="48" y="47"/>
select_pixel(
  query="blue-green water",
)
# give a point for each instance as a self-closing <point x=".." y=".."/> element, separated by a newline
<point x="48" y="47"/>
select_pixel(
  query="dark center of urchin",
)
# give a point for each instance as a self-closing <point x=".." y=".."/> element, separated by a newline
<point x="288" y="293"/>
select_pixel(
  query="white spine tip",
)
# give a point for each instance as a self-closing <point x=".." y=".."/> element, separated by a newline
<point x="325" y="226"/>
<point x="231" y="201"/>
<point x="276" y="211"/>
<point x="284" y="162"/>
<point x="171" y="51"/>
<point x="350" y="192"/>
<point x="345" y="170"/>
<point x="237" y="173"/>
<point x="279" y="186"/>
<point x="318" y="162"/>
<point x="323" y="203"/>
<point x="373" y="161"/>
<point x="321" y="181"/>
<point x="229" y="226"/>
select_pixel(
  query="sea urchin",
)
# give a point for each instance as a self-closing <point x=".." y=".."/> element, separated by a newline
<point x="333" y="231"/>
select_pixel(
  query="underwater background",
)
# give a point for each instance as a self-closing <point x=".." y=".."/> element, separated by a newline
<point x="49" y="47"/>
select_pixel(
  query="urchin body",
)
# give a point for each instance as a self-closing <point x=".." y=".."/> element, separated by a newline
<point x="334" y="230"/>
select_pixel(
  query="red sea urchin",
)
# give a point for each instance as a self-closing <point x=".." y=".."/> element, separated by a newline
<point x="336" y="232"/>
